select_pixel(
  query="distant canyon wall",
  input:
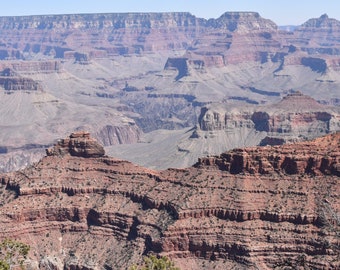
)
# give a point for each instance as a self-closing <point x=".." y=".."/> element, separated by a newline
<point x="233" y="38"/>
<point x="296" y="117"/>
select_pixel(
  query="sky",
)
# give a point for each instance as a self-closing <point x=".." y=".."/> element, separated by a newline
<point x="282" y="12"/>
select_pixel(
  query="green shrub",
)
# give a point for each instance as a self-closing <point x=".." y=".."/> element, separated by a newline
<point x="151" y="262"/>
<point x="12" y="253"/>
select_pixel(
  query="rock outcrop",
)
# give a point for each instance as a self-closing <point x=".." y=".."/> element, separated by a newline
<point x="112" y="33"/>
<point x="172" y="64"/>
<point x="79" y="144"/>
<point x="257" y="160"/>
<point x="234" y="37"/>
<point x="11" y="81"/>
<point x="265" y="207"/>
<point x="295" y="117"/>
<point x="10" y="68"/>
<point x="323" y="31"/>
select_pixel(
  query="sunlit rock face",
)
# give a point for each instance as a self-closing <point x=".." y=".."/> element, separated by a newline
<point x="295" y="117"/>
<point x="249" y="208"/>
<point x="123" y="75"/>
<point x="79" y="144"/>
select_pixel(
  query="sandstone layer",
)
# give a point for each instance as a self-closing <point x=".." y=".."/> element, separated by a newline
<point x="233" y="38"/>
<point x="295" y="117"/>
<point x="224" y="125"/>
<point x="122" y="75"/>
<point x="267" y="207"/>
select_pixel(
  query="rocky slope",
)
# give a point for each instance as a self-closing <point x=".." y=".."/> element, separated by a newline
<point x="223" y="126"/>
<point x="233" y="38"/>
<point x="98" y="35"/>
<point x="31" y="117"/>
<point x="265" y="207"/>
<point x="295" y="117"/>
<point x="122" y="75"/>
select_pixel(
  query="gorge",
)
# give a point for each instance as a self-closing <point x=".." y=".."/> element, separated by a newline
<point x="261" y="207"/>
<point x="142" y="73"/>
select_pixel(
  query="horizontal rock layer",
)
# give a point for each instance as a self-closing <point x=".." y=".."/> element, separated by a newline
<point x="79" y="144"/>
<point x="234" y="37"/>
<point x="254" y="207"/>
<point x="295" y="117"/>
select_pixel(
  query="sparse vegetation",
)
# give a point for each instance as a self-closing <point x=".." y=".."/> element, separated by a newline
<point x="151" y="262"/>
<point x="12" y="253"/>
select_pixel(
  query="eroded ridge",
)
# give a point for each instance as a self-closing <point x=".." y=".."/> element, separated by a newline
<point x="259" y="207"/>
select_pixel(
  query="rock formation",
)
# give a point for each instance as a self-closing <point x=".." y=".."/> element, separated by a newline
<point x="79" y="144"/>
<point x="295" y="117"/>
<point x="10" y="81"/>
<point x="10" y="68"/>
<point x="111" y="33"/>
<point x="122" y="75"/>
<point x="323" y="31"/>
<point x="264" y="207"/>
<point x="234" y="37"/>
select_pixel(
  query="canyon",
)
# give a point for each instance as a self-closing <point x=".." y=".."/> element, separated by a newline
<point x="213" y="142"/>
<point x="223" y="126"/>
<point x="268" y="207"/>
<point x="138" y="79"/>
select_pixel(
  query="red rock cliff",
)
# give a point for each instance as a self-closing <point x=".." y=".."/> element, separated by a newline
<point x="250" y="208"/>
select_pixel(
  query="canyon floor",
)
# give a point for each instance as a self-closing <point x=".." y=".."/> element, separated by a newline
<point x="149" y="125"/>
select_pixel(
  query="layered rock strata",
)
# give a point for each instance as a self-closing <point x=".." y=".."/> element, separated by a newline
<point x="11" y="81"/>
<point x="295" y="117"/>
<point x="234" y="37"/>
<point x="30" y="67"/>
<point x="269" y="207"/>
<point x="79" y="144"/>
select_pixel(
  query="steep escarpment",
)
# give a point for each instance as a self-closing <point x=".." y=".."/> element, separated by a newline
<point x="249" y="208"/>
<point x="318" y="40"/>
<point x="233" y="38"/>
<point x="324" y="31"/>
<point x="246" y="37"/>
<point x="10" y="81"/>
<point x="10" y="68"/>
<point x="116" y="33"/>
<point x="236" y="37"/>
<point x="104" y="34"/>
<point x="295" y="117"/>
<point x="120" y="74"/>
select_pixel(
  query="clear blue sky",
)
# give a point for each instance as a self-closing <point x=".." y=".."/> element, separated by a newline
<point x="282" y="12"/>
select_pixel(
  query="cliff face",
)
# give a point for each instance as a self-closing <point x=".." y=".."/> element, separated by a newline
<point x="9" y="68"/>
<point x="295" y="117"/>
<point x="233" y="38"/>
<point x="10" y="81"/>
<point x="324" y="31"/>
<point x="249" y="208"/>
<point x="236" y="37"/>
<point x="259" y="161"/>
<point x="138" y="26"/>
<point x="56" y="35"/>
<point x="152" y="71"/>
